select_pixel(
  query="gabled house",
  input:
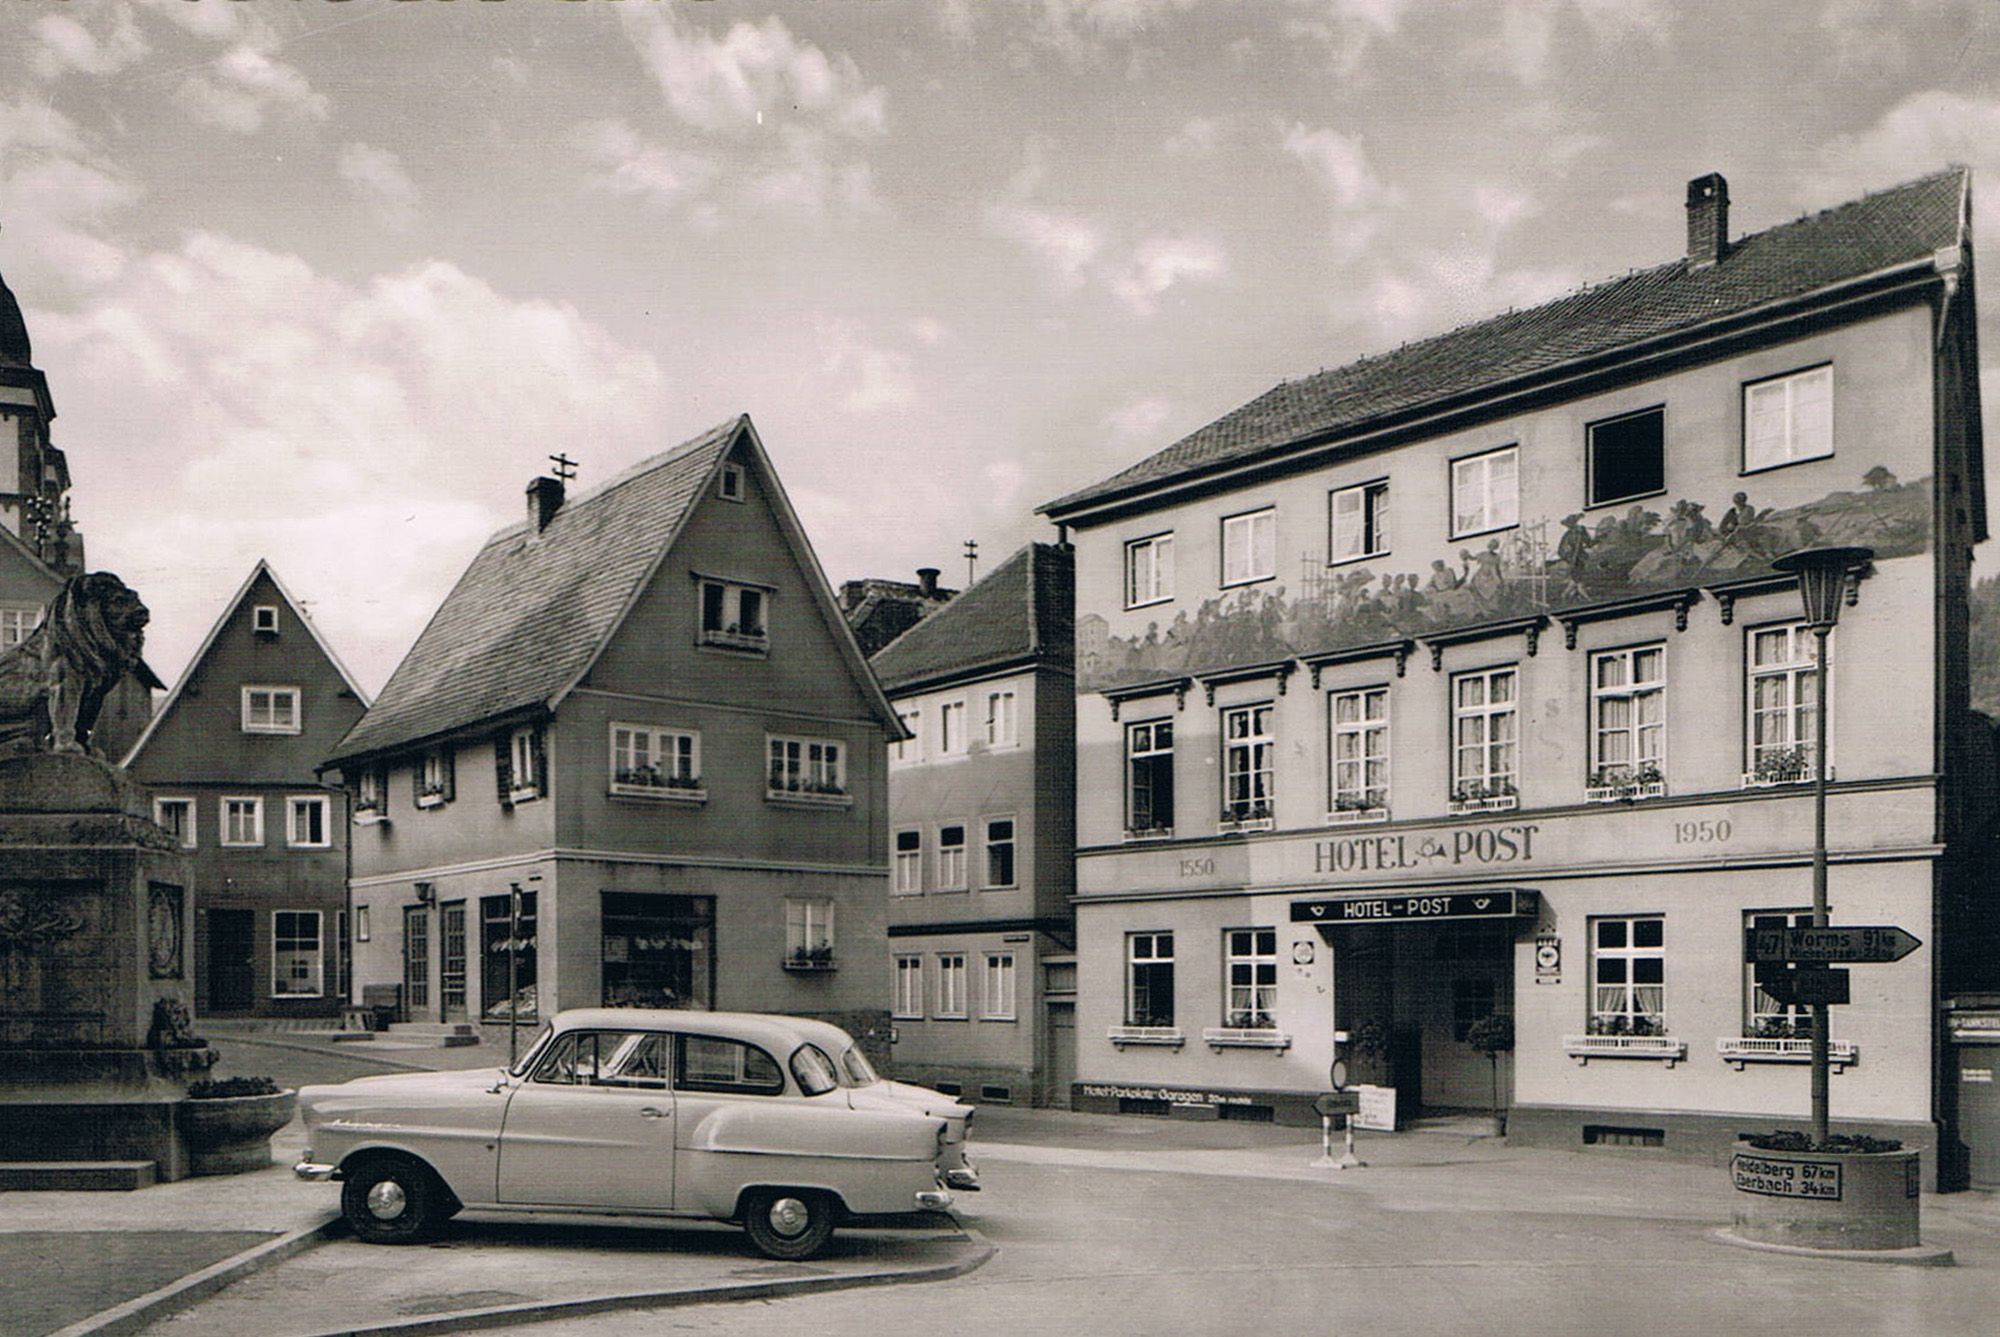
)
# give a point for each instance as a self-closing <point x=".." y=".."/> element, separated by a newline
<point x="982" y="829"/>
<point x="40" y="548"/>
<point x="636" y="758"/>
<point x="230" y="761"/>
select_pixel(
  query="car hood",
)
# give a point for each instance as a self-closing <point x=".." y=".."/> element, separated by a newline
<point x="393" y="1089"/>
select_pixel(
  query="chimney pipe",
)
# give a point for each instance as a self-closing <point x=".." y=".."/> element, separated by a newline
<point x="1708" y="220"/>
<point x="927" y="579"/>
<point x="545" y="498"/>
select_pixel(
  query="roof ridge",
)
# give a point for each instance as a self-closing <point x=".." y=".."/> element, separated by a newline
<point x="632" y="473"/>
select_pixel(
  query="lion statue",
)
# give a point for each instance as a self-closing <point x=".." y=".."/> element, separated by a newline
<point x="53" y="684"/>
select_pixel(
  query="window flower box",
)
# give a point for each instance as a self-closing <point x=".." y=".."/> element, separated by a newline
<point x="1166" y="1036"/>
<point x="812" y="796"/>
<point x="1347" y="814"/>
<point x="1784" y="766"/>
<point x="1739" y="1050"/>
<point x="1246" y="817"/>
<point x="728" y="638"/>
<point x="810" y="960"/>
<point x="1149" y="833"/>
<point x="1665" y="1048"/>
<point x="1245" y="1037"/>
<point x="651" y="782"/>
<point x="1622" y="784"/>
<point x="430" y="796"/>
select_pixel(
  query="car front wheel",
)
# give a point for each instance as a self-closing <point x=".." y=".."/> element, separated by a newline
<point x="787" y="1223"/>
<point x="394" y="1202"/>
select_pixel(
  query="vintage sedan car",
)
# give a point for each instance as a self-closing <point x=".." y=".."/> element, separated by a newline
<point x="779" y="1123"/>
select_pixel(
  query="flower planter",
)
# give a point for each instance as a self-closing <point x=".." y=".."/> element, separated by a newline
<point x="1845" y="1200"/>
<point x="232" y="1135"/>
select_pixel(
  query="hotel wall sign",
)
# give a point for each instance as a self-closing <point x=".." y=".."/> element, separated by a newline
<point x="1465" y="847"/>
<point x="1500" y="903"/>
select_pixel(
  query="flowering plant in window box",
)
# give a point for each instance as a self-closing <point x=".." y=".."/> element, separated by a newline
<point x="1493" y="795"/>
<point x="1782" y="766"/>
<point x="1644" y="1023"/>
<point x="1372" y="806"/>
<point x="650" y="776"/>
<point x="430" y="795"/>
<point x="1610" y="784"/>
<point x="1247" y="1019"/>
<point x="1157" y="832"/>
<point x="811" y="958"/>
<point x="1780" y="1028"/>
<point x="1246" y="816"/>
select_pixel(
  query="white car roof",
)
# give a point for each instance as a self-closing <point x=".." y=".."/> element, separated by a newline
<point x="779" y="1033"/>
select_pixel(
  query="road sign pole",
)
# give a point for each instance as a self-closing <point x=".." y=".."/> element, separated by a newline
<point x="1820" y="1013"/>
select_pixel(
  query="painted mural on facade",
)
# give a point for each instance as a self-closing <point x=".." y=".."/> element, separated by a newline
<point x="1540" y="567"/>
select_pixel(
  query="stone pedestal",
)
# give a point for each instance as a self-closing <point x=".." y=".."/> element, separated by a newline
<point x="96" y="975"/>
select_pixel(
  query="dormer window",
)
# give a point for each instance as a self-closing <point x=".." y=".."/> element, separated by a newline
<point x="729" y="486"/>
<point x="733" y="615"/>
<point x="264" y="619"/>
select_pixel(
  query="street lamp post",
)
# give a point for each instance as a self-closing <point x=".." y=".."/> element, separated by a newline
<point x="1822" y="574"/>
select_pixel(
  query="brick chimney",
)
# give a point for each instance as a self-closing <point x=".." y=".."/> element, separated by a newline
<point x="1708" y="220"/>
<point x="545" y="498"/>
<point x="927" y="579"/>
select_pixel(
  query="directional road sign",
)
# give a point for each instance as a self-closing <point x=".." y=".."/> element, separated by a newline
<point x="1843" y="944"/>
<point x="1804" y="986"/>
<point x="1338" y="1102"/>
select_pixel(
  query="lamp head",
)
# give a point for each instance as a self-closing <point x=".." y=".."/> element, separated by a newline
<point x="1822" y="574"/>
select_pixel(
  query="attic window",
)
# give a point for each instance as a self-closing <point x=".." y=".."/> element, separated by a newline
<point x="1628" y="456"/>
<point x="733" y="615"/>
<point x="264" y="619"/>
<point x="730" y="486"/>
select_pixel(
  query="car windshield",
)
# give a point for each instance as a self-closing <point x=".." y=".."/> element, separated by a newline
<point x="813" y="1070"/>
<point x="541" y="1039"/>
<point x="856" y="1069"/>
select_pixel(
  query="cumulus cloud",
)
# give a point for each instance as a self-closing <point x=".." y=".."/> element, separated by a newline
<point x="733" y="83"/>
<point x="295" y="416"/>
<point x="877" y="379"/>
<point x="1159" y="263"/>
<point x="244" y="85"/>
<point x="1921" y="134"/>
<point x="1137" y="423"/>
<point x="1357" y="199"/>
<point x="1527" y="31"/>
<point x="377" y="177"/>
<point x="66" y="44"/>
<point x="59" y="192"/>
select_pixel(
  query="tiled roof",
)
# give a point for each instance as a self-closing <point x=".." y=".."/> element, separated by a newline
<point x="1023" y="610"/>
<point x="531" y="613"/>
<point x="1900" y="225"/>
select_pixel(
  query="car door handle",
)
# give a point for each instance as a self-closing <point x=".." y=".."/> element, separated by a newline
<point x="651" y="1112"/>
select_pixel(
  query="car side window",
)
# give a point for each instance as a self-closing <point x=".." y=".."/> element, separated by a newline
<point x="644" y="1060"/>
<point x="709" y="1063"/>
<point x="605" y="1058"/>
<point x="571" y="1060"/>
<point x="814" y="1071"/>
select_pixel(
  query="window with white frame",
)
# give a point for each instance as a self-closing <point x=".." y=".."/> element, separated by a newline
<point x="1628" y="975"/>
<point x="242" y="821"/>
<point x="371" y="794"/>
<point x="176" y="817"/>
<point x="264" y="619"/>
<point x="733" y="615"/>
<point x="809" y="931"/>
<point x="909" y="862"/>
<point x="998" y="1005"/>
<point x="951" y="984"/>
<point x="16" y="621"/>
<point x="1358" y="521"/>
<point x="1000" y="719"/>
<point x="951" y="857"/>
<point x="1251" y="961"/>
<point x="1149" y="979"/>
<point x="953" y="739"/>
<point x="1783" y="669"/>
<point x="1250" y="547"/>
<point x="1485" y="492"/>
<point x="1628" y="716"/>
<point x="905" y="750"/>
<point x="297" y="959"/>
<point x="1149" y="570"/>
<point x="908" y="1000"/>
<point x="647" y="760"/>
<point x="999" y="852"/>
<point x="729" y="483"/>
<point x="1248" y="754"/>
<point x="1359" y="746"/>
<point x="1484" y="730"/>
<point x="306" y="822"/>
<point x="436" y="774"/>
<point x="270" y="710"/>
<point x="1764" y="1017"/>
<point x="1788" y="418"/>
<point x="524" y="765"/>
<point x="809" y="767"/>
<point x="1149" y="777"/>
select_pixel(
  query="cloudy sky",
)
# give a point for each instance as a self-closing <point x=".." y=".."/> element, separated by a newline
<point x="325" y="282"/>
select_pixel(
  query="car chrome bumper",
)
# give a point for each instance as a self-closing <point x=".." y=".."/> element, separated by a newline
<point x="314" y="1172"/>
<point x="933" y="1200"/>
<point x="963" y="1178"/>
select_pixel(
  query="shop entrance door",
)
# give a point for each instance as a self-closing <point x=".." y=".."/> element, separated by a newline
<point x="231" y="961"/>
<point x="1409" y="994"/>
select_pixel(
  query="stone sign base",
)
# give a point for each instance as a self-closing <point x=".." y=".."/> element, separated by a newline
<point x="1833" y="1204"/>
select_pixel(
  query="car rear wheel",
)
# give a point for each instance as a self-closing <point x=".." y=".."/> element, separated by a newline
<point x="392" y="1201"/>
<point x="788" y="1223"/>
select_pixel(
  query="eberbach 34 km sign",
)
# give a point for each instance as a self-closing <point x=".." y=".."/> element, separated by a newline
<point x="1785" y="1178"/>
